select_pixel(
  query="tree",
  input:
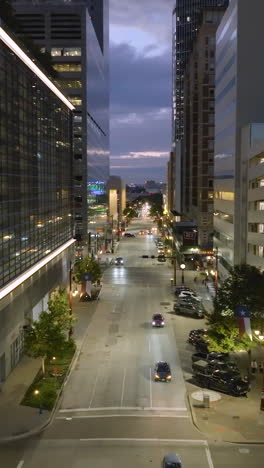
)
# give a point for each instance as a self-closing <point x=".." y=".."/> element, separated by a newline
<point x="58" y="306"/>
<point x="87" y="265"/>
<point x="244" y="287"/>
<point x="130" y="212"/>
<point x="45" y="338"/>
<point x="156" y="211"/>
<point x="223" y="337"/>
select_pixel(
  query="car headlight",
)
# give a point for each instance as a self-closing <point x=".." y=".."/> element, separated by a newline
<point x="153" y="323"/>
<point x="157" y="376"/>
<point x="121" y="262"/>
<point x="168" y="377"/>
<point x="162" y="323"/>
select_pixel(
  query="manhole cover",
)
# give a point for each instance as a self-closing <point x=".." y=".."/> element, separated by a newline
<point x="236" y="417"/>
<point x="205" y="418"/>
<point x="165" y="303"/>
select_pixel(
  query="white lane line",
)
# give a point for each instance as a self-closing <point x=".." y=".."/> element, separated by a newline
<point x="209" y="457"/>
<point x="93" y="392"/>
<point x="111" y="408"/>
<point x="150" y="387"/>
<point x="123" y="388"/>
<point x="94" y="416"/>
<point x="21" y="463"/>
<point x="180" y="441"/>
<point x="149" y="345"/>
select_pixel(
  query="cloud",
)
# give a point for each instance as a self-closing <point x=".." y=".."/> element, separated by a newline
<point x="142" y="155"/>
<point x="153" y="18"/>
<point x="140" y="95"/>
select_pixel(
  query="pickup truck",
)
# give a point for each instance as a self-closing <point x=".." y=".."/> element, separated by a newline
<point x="207" y="367"/>
<point x="209" y="356"/>
<point x="222" y="381"/>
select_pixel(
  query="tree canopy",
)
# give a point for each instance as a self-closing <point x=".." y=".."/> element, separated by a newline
<point x="46" y="337"/>
<point x="223" y="337"/>
<point x="244" y="287"/>
<point x="87" y="265"/>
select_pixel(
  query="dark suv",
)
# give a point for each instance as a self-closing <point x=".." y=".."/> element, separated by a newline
<point x="162" y="372"/>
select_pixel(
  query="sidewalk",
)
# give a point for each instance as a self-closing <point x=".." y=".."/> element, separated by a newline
<point x="17" y="421"/>
<point x="230" y="419"/>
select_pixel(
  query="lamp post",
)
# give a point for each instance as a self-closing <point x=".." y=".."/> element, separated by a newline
<point x="182" y="267"/>
<point x="260" y="337"/>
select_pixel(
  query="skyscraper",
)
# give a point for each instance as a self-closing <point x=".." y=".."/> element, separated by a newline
<point x="75" y="33"/>
<point x="35" y="194"/>
<point x="185" y="26"/>
<point x="238" y="222"/>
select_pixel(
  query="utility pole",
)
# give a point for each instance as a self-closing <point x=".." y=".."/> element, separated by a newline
<point x="175" y="271"/>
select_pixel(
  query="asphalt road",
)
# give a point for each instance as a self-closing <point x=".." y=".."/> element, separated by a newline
<point x="113" y="414"/>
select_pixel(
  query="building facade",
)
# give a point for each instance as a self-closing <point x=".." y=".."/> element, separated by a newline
<point x="199" y="119"/>
<point x="239" y="101"/>
<point x="36" y="216"/>
<point x="75" y="33"/>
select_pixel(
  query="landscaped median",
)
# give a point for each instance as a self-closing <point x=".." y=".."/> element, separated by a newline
<point x="45" y="389"/>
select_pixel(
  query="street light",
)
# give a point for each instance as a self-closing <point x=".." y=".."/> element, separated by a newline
<point x="182" y="267"/>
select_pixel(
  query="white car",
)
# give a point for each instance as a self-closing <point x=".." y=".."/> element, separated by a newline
<point x="191" y="295"/>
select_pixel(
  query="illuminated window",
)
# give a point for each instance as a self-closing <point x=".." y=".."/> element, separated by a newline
<point x="56" y="52"/>
<point x="224" y="195"/>
<point x="72" y="51"/>
<point x="75" y="100"/>
<point x="67" y="67"/>
<point x="70" y="84"/>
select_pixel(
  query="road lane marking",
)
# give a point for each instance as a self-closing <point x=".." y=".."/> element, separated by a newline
<point x="150" y="387"/>
<point x="94" y="416"/>
<point x="111" y="408"/>
<point x="209" y="457"/>
<point x="21" y="463"/>
<point x="149" y="345"/>
<point x="123" y="388"/>
<point x="93" y="392"/>
<point x="180" y="441"/>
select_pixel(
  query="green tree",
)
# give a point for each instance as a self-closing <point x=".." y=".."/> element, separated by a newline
<point x="87" y="265"/>
<point x="244" y="287"/>
<point x="45" y="339"/>
<point x="156" y="211"/>
<point x="223" y="337"/>
<point x="130" y="212"/>
<point x="59" y="308"/>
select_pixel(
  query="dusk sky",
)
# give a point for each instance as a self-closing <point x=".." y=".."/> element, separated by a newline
<point x="140" y="72"/>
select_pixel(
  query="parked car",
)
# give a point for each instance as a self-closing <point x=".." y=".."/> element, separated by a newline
<point x="171" y="460"/>
<point x="179" y="289"/>
<point x="186" y="308"/>
<point x="158" y="320"/>
<point x="191" y="295"/>
<point x="162" y="372"/>
<point x="222" y="381"/>
<point x="196" y="335"/>
<point x="119" y="261"/>
<point x="128" y="234"/>
<point x="209" y="366"/>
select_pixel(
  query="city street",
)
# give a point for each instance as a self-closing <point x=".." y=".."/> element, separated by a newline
<point x="112" y="412"/>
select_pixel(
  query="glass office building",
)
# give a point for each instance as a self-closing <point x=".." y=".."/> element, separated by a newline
<point x="76" y="34"/>
<point x="35" y="194"/>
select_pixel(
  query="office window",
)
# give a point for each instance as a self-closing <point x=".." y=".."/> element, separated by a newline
<point x="67" y="67"/>
<point x="72" y="52"/>
<point x="75" y="100"/>
<point x="70" y="83"/>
